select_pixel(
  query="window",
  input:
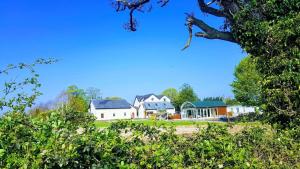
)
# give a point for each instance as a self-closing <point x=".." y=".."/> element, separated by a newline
<point x="114" y="114"/>
<point x="152" y="99"/>
<point x="237" y="110"/>
<point x="165" y="99"/>
<point x="102" y="115"/>
<point x="124" y="113"/>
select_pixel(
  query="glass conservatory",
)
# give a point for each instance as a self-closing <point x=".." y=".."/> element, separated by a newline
<point x="195" y="111"/>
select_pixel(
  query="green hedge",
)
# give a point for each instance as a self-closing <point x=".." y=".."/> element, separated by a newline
<point x="63" y="139"/>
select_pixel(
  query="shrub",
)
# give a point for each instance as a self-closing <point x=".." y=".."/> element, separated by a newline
<point x="59" y="141"/>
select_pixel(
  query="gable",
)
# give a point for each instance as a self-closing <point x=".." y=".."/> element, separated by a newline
<point x="152" y="98"/>
<point x="165" y="99"/>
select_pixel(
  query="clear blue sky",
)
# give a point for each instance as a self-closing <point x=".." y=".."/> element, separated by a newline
<point x="95" y="51"/>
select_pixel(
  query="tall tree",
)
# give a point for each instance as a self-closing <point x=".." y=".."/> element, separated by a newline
<point x="171" y="93"/>
<point x="186" y="93"/>
<point x="92" y="93"/>
<point x="247" y="83"/>
<point x="267" y="29"/>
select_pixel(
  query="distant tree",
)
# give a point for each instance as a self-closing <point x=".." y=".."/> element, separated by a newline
<point x="76" y="99"/>
<point x="247" y="83"/>
<point x="172" y="93"/>
<point x="186" y="93"/>
<point x="92" y="93"/>
<point x="113" y="98"/>
<point x="229" y="101"/>
<point x="219" y="98"/>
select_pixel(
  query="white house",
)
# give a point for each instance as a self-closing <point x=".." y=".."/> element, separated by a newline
<point x="152" y="104"/>
<point x="112" y="109"/>
<point x="238" y="109"/>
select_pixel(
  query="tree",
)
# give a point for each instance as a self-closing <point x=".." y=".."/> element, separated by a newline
<point x="268" y="30"/>
<point x="230" y="101"/>
<point x="171" y="93"/>
<point x="113" y="98"/>
<point x="186" y="93"/>
<point x="219" y="98"/>
<point x="92" y="93"/>
<point x="76" y="99"/>
<point x="247" y="83"/>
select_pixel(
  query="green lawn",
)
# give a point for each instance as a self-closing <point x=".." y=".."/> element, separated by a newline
<point x="102" y="124"/>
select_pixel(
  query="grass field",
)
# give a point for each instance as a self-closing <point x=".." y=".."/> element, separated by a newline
<point x="103" y="124"/>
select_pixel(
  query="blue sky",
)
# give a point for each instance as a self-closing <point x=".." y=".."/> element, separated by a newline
<point x="95" y="51"/>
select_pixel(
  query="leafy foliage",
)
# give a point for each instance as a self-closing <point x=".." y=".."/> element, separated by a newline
<point x="171" y="93"/>
<point x="20" y="93"/>
<point x="247" y="83"/>
<point x="60" y="142"/>
<point x="186" y="93"/>
<point x="270" y="31"/>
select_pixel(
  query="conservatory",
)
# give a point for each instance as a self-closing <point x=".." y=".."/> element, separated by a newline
<point x="203" y="109"/>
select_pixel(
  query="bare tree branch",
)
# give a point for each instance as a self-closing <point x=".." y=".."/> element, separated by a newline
<point x="190" y="29"/>
<point x="134" y="5"/>
<point x="205" y="8"/>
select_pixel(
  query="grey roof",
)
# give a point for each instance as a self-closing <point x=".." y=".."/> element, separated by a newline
<point x="111" y="104"/>
<point x="158" y="105"/>
<point x="144" y="97"/>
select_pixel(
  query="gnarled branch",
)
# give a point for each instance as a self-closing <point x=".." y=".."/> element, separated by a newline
<point x="208" y="31"/>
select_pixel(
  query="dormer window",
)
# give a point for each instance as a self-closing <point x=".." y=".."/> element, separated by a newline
<point x="165" y="99"/>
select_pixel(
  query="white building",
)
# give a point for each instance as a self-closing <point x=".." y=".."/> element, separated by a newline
<point x="112" y="109"/>
<point x="238" y="109"/>
<point x="149" y="104"/>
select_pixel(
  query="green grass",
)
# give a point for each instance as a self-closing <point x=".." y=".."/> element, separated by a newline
<point x="102" y="124"/>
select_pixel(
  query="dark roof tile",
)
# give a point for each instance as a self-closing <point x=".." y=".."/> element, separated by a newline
<point x="111" y="104"/>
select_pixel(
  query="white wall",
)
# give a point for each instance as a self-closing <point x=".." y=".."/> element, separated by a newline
<point x="109" y="113"/>
<point x="237" y="110"/>
<point x="141" y="112"/>
<point x="136" y="103"/>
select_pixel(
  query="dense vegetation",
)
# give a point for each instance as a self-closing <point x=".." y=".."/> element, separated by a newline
<point x="64" y="139"/>
<point x="247" y="83"/>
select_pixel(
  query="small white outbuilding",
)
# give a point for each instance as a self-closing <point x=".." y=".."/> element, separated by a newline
<point x="238" y="110"/>
<point x="112" y="109"/>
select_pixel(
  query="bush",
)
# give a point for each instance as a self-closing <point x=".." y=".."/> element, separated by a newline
<point x="250" y="117"/>
<point x="59" y="141"/>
